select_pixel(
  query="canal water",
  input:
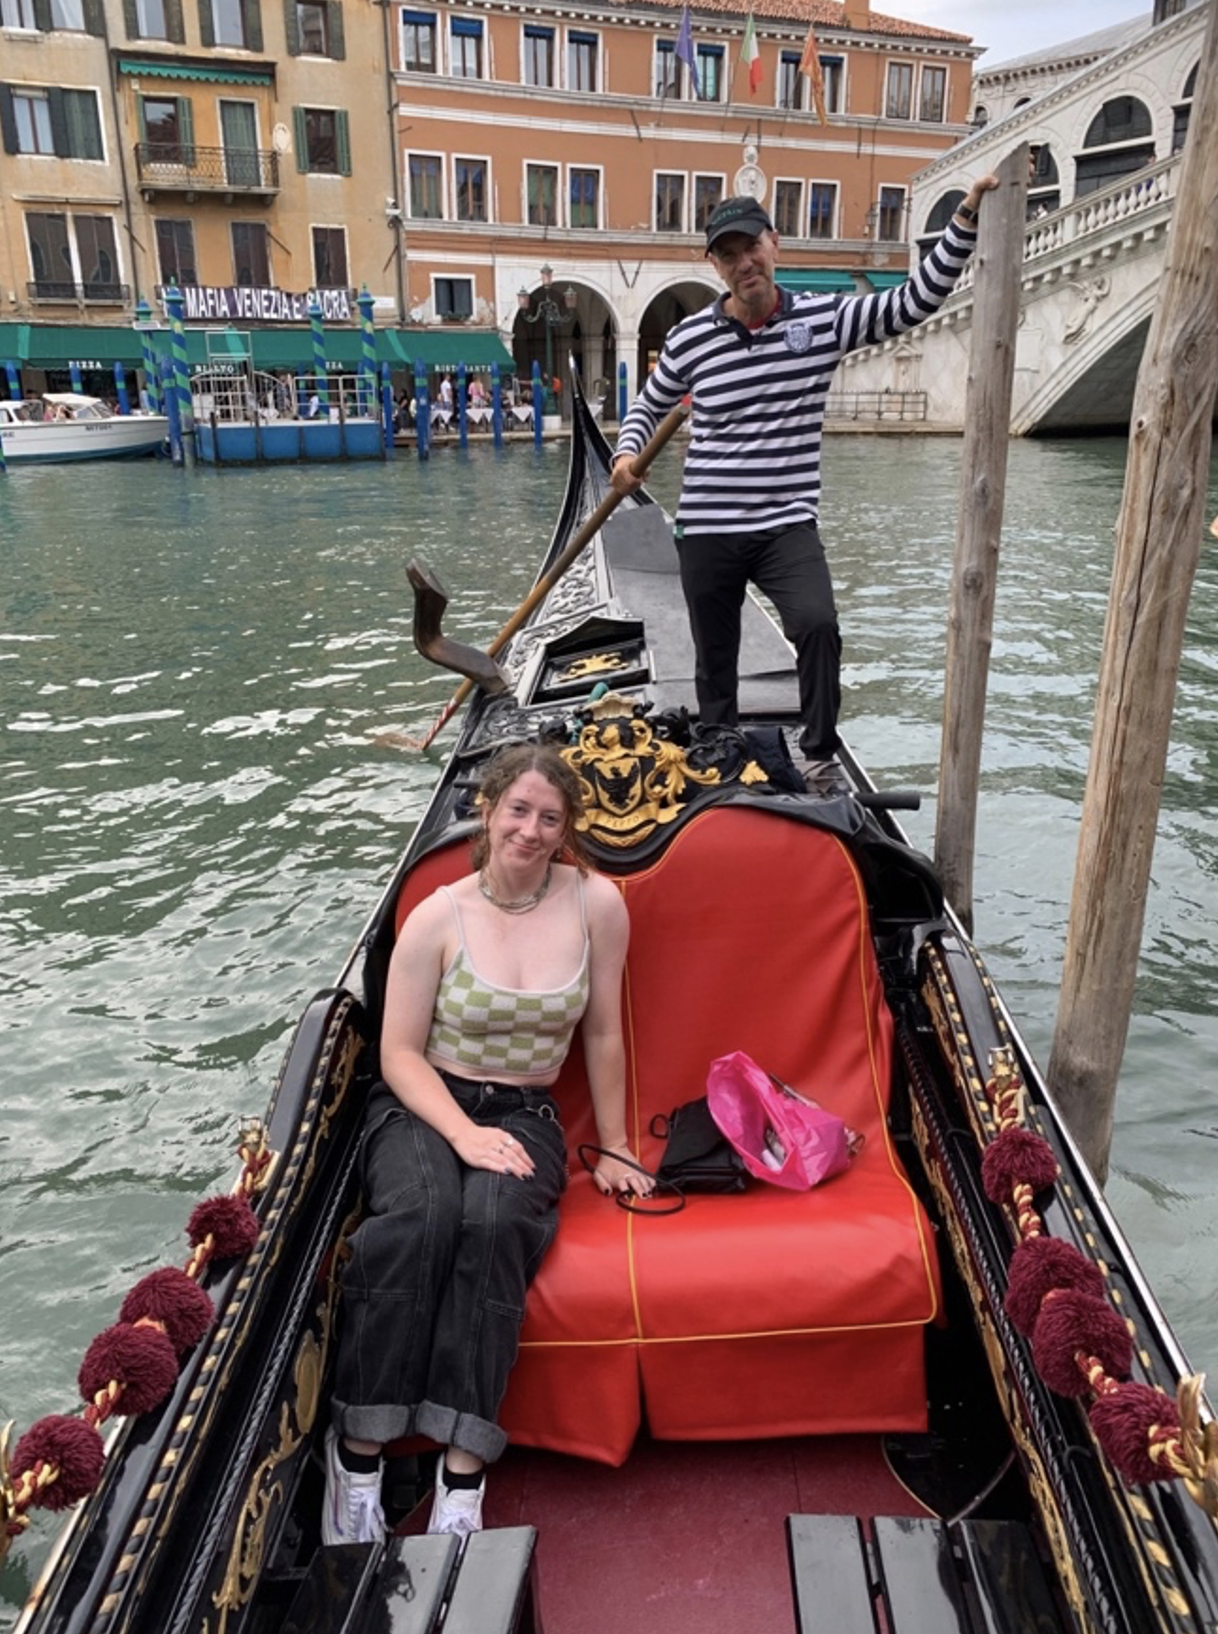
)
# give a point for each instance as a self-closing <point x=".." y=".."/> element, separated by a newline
<point x="196" y="814"/>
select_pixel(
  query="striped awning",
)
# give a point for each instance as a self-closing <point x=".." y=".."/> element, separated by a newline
<point x="54" y="346"/>
<point x="213" y="73"/>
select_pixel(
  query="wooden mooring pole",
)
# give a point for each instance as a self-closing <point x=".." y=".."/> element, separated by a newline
<point x="983" y="470"/>
<point x="1159" y="533"/>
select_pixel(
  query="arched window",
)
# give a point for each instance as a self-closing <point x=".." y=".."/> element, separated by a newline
<point x="938" y="218"/>
<point x="1182" y="110"/>
<point x="1044" y="184"/>
<point x="981" y="117"/>
<point x="1120" y="139"/>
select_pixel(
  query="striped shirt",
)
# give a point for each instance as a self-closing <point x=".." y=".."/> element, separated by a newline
<point x="759" y="395"/>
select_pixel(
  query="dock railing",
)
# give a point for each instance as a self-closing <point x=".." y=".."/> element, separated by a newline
<point x="876" y="405"/>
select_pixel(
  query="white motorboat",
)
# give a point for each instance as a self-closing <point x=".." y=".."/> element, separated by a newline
<point x="67" y="425"/>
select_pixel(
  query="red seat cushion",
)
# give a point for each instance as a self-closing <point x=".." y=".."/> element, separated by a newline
<point x="761" y="1314"/>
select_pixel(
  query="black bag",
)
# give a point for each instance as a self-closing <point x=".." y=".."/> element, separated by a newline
<point x="697" y="1157"/>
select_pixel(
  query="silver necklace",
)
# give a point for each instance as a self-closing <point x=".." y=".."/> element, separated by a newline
<point x="523" y="904"/>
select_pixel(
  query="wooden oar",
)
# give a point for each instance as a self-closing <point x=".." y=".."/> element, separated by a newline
<point x="639" y="465"/>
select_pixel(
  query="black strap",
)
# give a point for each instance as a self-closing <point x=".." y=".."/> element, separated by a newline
<point x="631" y="1201"/>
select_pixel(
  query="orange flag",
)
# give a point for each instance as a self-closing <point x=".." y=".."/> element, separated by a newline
<point x="809" y="64"/>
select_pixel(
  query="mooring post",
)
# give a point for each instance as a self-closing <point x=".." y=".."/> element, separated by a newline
<point x="539" y="406"/>
<point x="1159" y="533"/>
<point x="983" y="471"/>
<point x="422" y="409"/>
<point x="496" y="406"/>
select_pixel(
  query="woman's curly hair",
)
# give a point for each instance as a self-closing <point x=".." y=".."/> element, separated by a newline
<point x="509" y="764"/>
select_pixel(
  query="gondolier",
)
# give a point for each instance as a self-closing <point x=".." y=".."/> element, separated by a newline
<point x="758" y="362"/>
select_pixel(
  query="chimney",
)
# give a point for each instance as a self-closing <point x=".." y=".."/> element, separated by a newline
<point x="858" y="15"/>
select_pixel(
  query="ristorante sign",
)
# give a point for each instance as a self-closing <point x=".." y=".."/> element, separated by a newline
<point x="216" y="303"/>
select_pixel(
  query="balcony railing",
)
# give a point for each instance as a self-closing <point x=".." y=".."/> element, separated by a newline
<point x="180" y="167"/>
<point x="98" y="294"/>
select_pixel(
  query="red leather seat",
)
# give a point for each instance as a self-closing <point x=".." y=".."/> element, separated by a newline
<point x="762" y="1314"/>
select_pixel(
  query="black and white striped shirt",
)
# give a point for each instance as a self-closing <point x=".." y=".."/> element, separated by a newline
<point x="759" y="395"/>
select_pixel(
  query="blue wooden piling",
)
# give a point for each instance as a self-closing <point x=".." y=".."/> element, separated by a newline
<point x="621" y="392"/>
<point x="14" y="381"/>
<point x="539" y="405"/>
<point x="169" y="396"/>
<point x="120" y="387"/>
<point x="3" y="465"/>
<point x="387" y="410"/>
<point x="462" y="408"/>
<point x="496" y="406"/>
<point x="422" y="409"/>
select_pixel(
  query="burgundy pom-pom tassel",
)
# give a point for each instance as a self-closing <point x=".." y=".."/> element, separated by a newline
<point x="142" y="1360"/>
<point x="1123" y="1421"/>
<point x="230" y="1221"/>
<point x="73" y="1447"/>
<point x="1017" y="1157"/>
<point x="1071" y="1322"/>
<point x="1039" y="1266"/>
<point x="175" y="1300"/>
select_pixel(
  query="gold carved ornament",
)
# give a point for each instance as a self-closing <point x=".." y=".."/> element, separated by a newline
<point x="633" y="782"/>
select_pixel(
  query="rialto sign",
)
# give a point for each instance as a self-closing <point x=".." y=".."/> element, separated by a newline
<point x="209" y="303"/>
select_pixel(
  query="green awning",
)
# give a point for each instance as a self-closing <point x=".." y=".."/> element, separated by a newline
<point x="214" y="74"/>
<point x="886" y="280"/>
<point x="443" y="348"/>
<point x="815" y="280"/>
<point x="54" y="346"/>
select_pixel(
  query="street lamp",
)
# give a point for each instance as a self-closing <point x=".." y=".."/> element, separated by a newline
<point x="549" y="313"/>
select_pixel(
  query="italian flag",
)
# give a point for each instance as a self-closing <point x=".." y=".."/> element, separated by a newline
<point x="750" y="54"/>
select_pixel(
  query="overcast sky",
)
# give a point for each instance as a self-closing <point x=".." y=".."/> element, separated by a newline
<point x="1012" y="28"/>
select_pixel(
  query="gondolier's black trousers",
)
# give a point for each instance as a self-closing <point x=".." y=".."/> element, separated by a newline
<point x="434" y="1292"/>
<point x="789" y="567"/>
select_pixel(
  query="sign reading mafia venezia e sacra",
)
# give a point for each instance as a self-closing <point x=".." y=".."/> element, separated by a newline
<point x="253" y="305"/>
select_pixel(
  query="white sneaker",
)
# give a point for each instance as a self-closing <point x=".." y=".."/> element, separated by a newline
<point x="352" y="1511"/>
<point x="458" y="1512"/>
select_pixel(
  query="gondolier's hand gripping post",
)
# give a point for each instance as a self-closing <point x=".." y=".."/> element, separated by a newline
<point x="478" y="666"/>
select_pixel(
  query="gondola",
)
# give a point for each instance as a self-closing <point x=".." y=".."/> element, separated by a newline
<point x="935" y="1393"/>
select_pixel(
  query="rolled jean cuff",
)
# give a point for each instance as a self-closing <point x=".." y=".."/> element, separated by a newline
<point x="380" y="1423"/>
<point x="465" y="1430"/>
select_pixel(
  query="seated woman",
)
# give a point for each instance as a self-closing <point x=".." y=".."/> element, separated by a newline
<point x="464" y="1158"/>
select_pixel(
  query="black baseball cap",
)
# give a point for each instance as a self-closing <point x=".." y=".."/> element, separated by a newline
<point x="738" y="215"/>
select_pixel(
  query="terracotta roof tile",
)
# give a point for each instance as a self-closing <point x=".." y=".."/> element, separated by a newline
<point x="827" y="14"/>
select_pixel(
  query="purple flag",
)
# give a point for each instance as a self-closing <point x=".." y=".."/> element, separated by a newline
<point x="685" y="49"/>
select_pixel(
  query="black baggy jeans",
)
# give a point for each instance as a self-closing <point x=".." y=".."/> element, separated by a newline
<point x="434" y="1291"/>
<point x="789" y="567"/>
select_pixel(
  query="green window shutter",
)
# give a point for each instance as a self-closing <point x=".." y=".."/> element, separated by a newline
<point x="342" y="141"/>
<point x="139" y="108"/>
<point x="131" y="22"/>
<point x="291" y="27"/>
<point x="300" y="132"/>
<point x="251" y="13"/>
<point x="186" y="131"/>
<point x="59" y="123"/>
<point x="42" y="16"/>
<point x="95" y="22"/>
<point x="338" y="41"/>
<point x="8" y="120"/>
<point x="175" y="23"/>
<point x="207" y="24"/>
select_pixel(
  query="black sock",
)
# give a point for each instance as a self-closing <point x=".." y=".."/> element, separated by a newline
<point x="358" y="1463"/>
<point x="461" y="1483"/>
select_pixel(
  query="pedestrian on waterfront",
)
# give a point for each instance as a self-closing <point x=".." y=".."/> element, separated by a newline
<point x="477" y="393"/>
<point x="446" y="394"/>
<point x="758" y="362"/>
<point x="464" y="1159"/>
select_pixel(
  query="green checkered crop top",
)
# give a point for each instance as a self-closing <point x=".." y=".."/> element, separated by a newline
<point x="482" y="1029"/>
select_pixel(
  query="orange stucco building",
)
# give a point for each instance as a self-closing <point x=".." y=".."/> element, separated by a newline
<point x="584" y="147"/>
